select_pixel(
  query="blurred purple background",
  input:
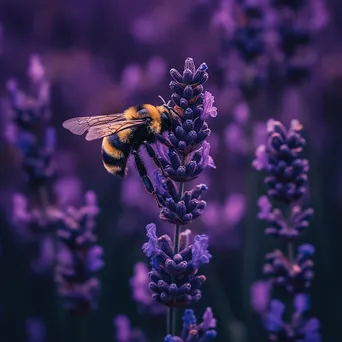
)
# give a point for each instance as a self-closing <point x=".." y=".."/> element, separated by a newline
<point x="104" y="56"/>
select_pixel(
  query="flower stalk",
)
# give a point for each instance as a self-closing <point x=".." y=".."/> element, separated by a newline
<point x="172" y="314"/>
<point x="184" y="156"/>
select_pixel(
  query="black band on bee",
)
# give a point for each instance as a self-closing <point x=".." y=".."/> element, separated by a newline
<point x="115" y="166"/>
<point x="139" y="108"/>
<point x="110" y="160"/>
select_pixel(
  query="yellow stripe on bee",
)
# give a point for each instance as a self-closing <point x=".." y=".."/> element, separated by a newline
<point x="124" y="135"/>
<point x="113" y="169"/>
<point x="131" y="114"/>
<point x="111" y="150"/>
<point x="156" y="117"/>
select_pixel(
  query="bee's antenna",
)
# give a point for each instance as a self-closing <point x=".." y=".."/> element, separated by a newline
<point x="167" y="105"/>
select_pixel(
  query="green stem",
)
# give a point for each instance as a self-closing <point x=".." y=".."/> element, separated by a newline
<point x="171" y="314"/>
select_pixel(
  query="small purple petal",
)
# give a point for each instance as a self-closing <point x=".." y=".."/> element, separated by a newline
<point x="151" y="247"/>
<point x="264" y="207"/>
<point x="208" y="108"/>
<point x="199" y="249"/>
<point x="261" y="159"/>
<point x="301" y="303"/>
<point x="209" y="321"/>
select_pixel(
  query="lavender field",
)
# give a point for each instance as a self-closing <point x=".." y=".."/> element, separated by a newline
<point x="224" y="224"/>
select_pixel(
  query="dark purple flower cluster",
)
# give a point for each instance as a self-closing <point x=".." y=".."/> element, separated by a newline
<point x="31" y="115"/>
<point x="245" y="47"/>
<point x="79" y="258"/>
<point x="281" y="158"/>
<point x="278" y="225"/>
<point x="296" y="35"/>
<point x="189" y="100"/>
<point x="178" y="209"/>
<point x="287" y="183"/>
<point x="193" y="332"/>
<point x="295" y="276"/>
<point x="248" y="38"/>
<point x="174" y="275"/>
<point x="31" y="222"/>
<point x="33" y="216"/>
<point x="185" y="153"/>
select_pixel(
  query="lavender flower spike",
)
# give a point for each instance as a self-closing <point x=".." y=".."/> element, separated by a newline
<point x="293" y="273"/>
<point x="181" y="267"/>
<point x="188" y="136"/>
<point x="79" y="258"/>
<point x="183" y="154"/>
<point x="29" y="111"/>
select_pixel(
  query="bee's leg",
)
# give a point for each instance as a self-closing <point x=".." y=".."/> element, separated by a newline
<point x="153" y="155"/>
<point x="163" y="140"/>
<point x="145" y="178"/>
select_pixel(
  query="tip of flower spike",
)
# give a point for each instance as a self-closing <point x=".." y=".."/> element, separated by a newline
<point x="189" y="65"/>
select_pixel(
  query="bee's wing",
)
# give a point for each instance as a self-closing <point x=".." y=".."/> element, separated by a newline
<point x="82" y="123"/>
<point x="100" y="126"/>
<point x="100" y="131"/>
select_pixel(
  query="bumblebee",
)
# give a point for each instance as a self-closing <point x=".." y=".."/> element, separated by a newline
<point x="124" y="134"/>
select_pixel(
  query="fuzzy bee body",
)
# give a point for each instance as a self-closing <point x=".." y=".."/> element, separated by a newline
<point x="115" y="154"/>
<point x="117" y="147"/>
<point x="123" y="134"/>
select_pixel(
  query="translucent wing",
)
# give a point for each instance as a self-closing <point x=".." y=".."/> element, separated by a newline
<point x="104" y="130"/>
<point x="82" y="123"/>
<point x="100" y="126"/>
